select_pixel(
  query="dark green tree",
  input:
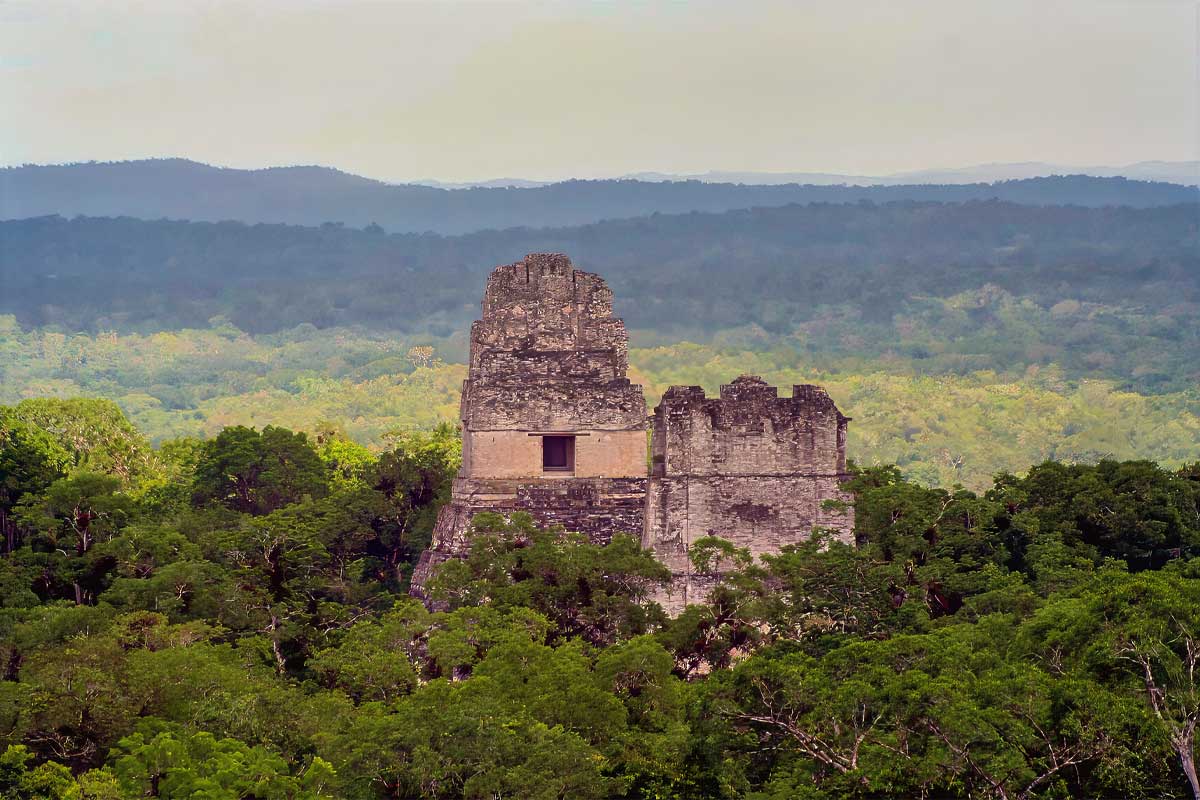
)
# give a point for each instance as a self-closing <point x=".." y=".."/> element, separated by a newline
<point x="257" y="473"/>
<point x="1135" y="511"/>
<point x="597" y="592"/>
<point x="30" y="460"/>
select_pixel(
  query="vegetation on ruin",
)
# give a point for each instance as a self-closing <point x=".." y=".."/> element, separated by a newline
<point x="227" y="618"/>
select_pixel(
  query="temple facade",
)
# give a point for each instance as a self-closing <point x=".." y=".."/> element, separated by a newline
<point x="552" y="426"/>
<point x="758" y="470"/>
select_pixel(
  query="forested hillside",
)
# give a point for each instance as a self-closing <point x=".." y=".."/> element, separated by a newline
<point x="318" y="485"/>
<point x="186" y="190"/>
<point x="1111" y="293"/>
<point x="168" y="632"/>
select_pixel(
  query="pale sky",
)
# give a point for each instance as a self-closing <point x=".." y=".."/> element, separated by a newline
<point x="465" y="91"/>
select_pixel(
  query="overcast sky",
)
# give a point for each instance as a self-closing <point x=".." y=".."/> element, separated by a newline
<point x="462" y="91"/>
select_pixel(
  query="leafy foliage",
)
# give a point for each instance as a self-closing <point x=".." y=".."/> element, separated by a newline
<point x="941" y="429"/>
<point x="159" y="637"/>
<point x="593" y="593"/>
<point x="257" y="473"/>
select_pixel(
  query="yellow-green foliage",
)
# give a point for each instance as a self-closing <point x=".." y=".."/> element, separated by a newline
<point x="949" y="429"/>
<point x="940" y="429"/>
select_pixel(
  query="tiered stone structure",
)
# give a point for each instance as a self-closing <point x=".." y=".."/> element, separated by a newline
<point x="750" y="467"/>
<point x="548" y="361"/>
<point x="552" y="426"/>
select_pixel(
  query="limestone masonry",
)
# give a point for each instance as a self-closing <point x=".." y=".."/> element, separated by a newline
<point x="750" y="467"/>
<point x="552" y="426"/>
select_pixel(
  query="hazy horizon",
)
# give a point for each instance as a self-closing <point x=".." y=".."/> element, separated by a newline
<point x="462" y="92"/>
<point x="968" y="171"/>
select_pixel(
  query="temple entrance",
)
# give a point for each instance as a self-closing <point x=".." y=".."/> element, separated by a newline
<point x="558" y="453"/>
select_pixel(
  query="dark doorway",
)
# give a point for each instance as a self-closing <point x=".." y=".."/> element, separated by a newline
<point x="558" y="453"/>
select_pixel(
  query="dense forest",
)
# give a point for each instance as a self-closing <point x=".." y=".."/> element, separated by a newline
<point x="292" y="458"/>
<point x="941" y="428"/>
<point x="166" y="631"/>
<point x="180" y="189"/>
<point x="203" y="582"/>
<point x="1111" y="292"/>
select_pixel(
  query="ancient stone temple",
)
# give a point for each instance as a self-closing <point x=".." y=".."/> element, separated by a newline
<point x="553" y="427"/>
<point x="759" y="470"/>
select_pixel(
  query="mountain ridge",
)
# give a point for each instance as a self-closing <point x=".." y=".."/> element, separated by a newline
<point x="1185" y="173"/>
<point x="312" y="195"/>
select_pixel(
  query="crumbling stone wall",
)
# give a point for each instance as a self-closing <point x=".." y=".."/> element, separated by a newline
<point x="750" y="467"/>
<point x="547" y="357"/>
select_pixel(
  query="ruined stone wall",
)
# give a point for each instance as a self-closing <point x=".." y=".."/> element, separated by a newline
<point x="547" y="357"/>
<point x="750" y="467"/>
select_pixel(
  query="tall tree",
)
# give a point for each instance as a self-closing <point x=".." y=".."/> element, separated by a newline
<point x="257" y="473"/>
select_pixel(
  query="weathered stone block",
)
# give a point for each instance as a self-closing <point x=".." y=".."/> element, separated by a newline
<point x="547" y="359"/>
<point x="756" y="469"/>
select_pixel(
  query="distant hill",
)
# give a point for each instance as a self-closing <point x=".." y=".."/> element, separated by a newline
<point x="1185" y="173"/>
<point x="185" y="190"/>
